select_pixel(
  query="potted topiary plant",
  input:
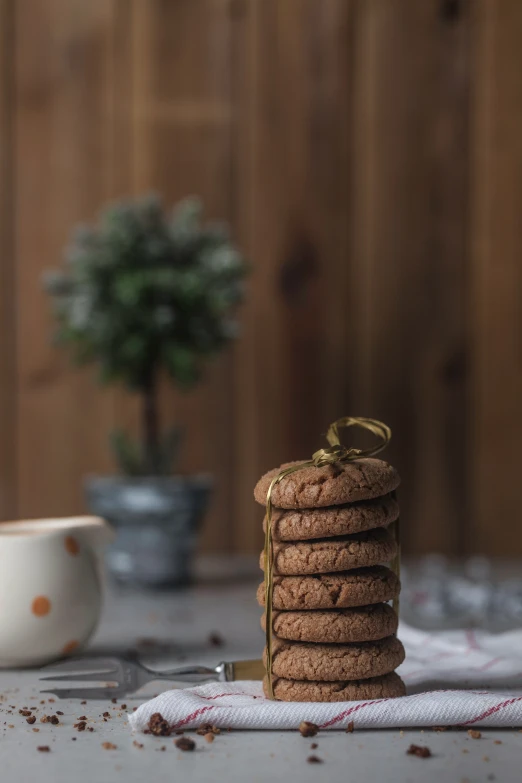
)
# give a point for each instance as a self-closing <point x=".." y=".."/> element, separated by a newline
<point x="145" y="293"/>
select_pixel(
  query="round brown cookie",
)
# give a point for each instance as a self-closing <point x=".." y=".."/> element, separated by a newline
<point x="324" y="555"/>
<point x="339" y="626"/>
<point x="325" y="662"/>
<point x="389" y="686"/>
<point x="331" y="485"/>
<point x="307" y="523"/>
<point x="359" y="587"/>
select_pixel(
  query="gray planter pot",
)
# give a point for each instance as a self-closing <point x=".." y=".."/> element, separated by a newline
<point x="157" y="521"/>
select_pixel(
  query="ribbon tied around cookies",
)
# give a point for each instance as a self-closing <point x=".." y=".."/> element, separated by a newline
<point x="334" y="453"/>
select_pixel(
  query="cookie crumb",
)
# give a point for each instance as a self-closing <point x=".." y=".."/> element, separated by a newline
<point x="185" y="743"/>
<point x="158" y="725"/>
<point x="497" y="742"/>
<point x="83" y="702"/>
<point x="43" y="748"/>
<point x="439" y="728"/>
<point x="474" y="733"/>
<point x="350" y="727"/>
<point x="55" y="720"/>
<point x="58" y="712"/>
<point x="24" y="712"/>
<point x="314" y="745"/>
<point x="80" y="726"/>
<point x="421" y="751"/>
<point x="82" y="717"/>
<point x="308" y="729"/>
<point x="314" y="760"/>
<point x="137" y="744"/>
<point x="109" y="746"/>
<point x="209" y="737"/>
<point x="106" y="715"/>
<point x="207" y="728"/>
<point x="485" y="758"/>
<point x="215" y="639"/>
<point x="36" y="730"/>
<point x="31" y="720"/>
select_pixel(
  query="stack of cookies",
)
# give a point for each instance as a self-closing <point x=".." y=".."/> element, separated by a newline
<point x="333" y="630"/>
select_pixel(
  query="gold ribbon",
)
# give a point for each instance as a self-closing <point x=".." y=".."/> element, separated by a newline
<point x="334" y="453"/>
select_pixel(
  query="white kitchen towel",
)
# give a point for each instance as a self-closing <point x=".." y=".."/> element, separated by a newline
<point x="453" y="678"/>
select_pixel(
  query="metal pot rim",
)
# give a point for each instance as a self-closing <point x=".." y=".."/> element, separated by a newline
<point x="195" y="480"/>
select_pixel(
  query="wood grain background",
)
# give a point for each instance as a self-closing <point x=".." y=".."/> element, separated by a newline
<point x="368" y="154"/>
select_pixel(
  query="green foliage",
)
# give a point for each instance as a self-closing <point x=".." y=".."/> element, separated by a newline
<point x="143" y="291"/>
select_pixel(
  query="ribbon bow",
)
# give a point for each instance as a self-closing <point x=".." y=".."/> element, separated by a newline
<point x="336" y="452"/>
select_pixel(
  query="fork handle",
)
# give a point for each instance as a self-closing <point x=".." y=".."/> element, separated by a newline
<point x="193" y="674"/>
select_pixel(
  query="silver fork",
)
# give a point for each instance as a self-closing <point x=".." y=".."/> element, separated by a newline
<point x="127" y="676"/>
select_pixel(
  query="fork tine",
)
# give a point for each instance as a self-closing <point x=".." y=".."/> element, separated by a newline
<point x="85" y="677"/>
<point x="89" y="693"/>
<point x="83" y="664"/>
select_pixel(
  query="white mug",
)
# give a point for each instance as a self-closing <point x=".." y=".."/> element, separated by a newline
<point x="50" y="587"/>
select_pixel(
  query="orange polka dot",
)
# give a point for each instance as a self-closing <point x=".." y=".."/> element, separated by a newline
<point x="41" y="606"/>
<point x="70" y="647"/>
<point x="71" y="545"/>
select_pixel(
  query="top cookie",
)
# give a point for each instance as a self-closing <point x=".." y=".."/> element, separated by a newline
<point x="330" y="485"/>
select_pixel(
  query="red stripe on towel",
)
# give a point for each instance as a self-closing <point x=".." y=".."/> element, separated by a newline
<point x="192" y="716"/>
<point x="345" y="713"/>
<point x="491" y="711"/>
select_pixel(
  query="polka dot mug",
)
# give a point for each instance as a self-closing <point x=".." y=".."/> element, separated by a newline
<point x="50" y="587"/>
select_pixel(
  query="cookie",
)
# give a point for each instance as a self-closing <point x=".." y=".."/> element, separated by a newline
<point x="331" y="485"/>
<point x="389" y="686"/>
<point x="307" y="523"/>
<point x="338" y="626"/>
<point x="322" y="556"/>
<point x="326" y="662"/>
<point x="359" y="587"/>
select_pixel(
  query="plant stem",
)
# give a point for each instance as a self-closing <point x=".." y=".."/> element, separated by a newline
<point x="150" y="426"/>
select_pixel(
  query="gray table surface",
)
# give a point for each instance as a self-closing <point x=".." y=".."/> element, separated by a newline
<point x="182" y="622"/>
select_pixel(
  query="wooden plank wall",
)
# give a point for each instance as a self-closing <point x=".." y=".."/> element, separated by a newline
<point x="368" y="155"/>
<point x="63" y="158"/>
<point x="8" y="385"/>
